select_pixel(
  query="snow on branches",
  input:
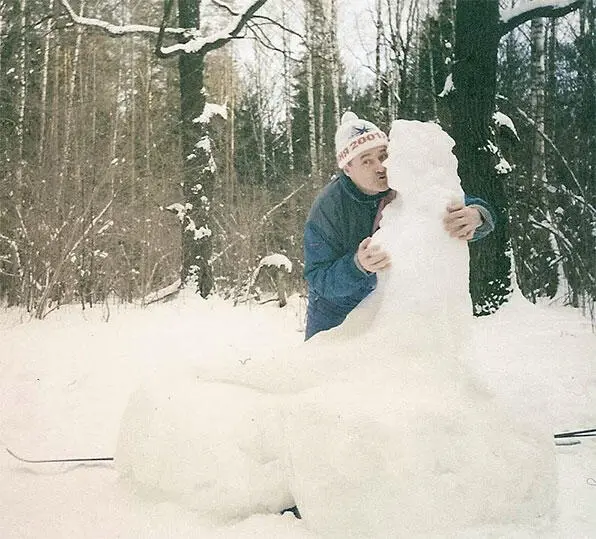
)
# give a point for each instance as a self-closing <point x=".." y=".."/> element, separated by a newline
<point x="195" y="42"/>
<point x="530" y="9"/>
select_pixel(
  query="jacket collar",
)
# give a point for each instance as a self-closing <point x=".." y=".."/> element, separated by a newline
<point x="350" y="187"/>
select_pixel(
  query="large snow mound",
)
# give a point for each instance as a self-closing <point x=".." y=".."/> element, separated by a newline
<point x="213" y="447"/>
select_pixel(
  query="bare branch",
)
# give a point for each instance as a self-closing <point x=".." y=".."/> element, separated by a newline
<point x="263" y="38"/>
<point x="547" y="139"/>
<point x="278" y="24"/>
<point x="162" y="29"/>
<point x="41" y="306"/>
<point x="225" y="6"/>
<point x="568" y="246"/>
<point x="529" y="10"/>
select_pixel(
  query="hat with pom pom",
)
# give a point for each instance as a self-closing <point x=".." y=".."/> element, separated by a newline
<point x="354" y="136"/>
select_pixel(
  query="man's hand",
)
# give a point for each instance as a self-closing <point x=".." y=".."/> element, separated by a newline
<point x="371" y="257"/>
<point x="461" y="221"/>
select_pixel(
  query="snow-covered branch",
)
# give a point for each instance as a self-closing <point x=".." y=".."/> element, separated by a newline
<point x="195" y="43"/>
<point x="115" y="29"/>
<point x="203" y="45"/>
<point x="532" y="9"/>
<point x="90" y="227"/>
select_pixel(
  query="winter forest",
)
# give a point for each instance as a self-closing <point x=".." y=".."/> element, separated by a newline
<point x="144" y="145"/>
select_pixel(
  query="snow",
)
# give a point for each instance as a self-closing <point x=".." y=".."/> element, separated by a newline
<point x="278" y="260"/>
<point x="230" y="438"/>
<point x="501" y="119"/>
<point x="448" y="87"/>
<point x="210" y="110"/>
<point x="412" y="419"/>
<point x="503" y="166"/>
<point x="65" y="383"/>
<point x="180" y="209"/>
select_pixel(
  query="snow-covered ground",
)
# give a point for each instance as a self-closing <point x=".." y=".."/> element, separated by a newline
<point x="65" y="382"/>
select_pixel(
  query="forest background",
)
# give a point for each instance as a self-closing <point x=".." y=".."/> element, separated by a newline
<point x="94" y="174"/>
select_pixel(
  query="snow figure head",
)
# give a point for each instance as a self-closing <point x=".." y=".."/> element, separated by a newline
<point x="354" y="136"/>
<point x="421" y="156"/>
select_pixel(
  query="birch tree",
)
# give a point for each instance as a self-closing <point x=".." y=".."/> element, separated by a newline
<point x="310" y="32"/>
<point x="22" y="85"/>
<point x="539" y="180"/>
<point x="335" y="65"/>
<point x="288" y="98"/>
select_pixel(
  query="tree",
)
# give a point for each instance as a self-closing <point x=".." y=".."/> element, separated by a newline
<point x="479" y="27"/>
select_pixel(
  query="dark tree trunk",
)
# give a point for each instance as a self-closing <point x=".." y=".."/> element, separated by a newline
<point x="473" y="104"/>
<point x="198" y="172"/>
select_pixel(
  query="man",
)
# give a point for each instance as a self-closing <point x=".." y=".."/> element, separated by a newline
<point x="340" y="264"/>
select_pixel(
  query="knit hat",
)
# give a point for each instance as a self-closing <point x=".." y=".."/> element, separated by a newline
<point x="354" y="136"/>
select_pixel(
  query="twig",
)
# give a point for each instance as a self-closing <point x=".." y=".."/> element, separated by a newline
<point x="532" y="123"/>
<point x="262" y="221"/>
<point x="39" y="311"/>
<point x="44" y="461"/>
<point x="589" y="432"/>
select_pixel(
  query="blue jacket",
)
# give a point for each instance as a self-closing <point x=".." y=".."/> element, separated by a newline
<point x="340" y="218"/>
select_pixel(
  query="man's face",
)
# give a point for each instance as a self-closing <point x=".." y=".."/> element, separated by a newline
<point x="367" y="170"/>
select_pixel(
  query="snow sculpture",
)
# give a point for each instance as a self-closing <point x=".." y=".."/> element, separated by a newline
<point x="376" y="432"/>
<point x="408" y="443"/>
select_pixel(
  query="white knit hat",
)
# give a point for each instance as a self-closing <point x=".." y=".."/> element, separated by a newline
<point x="354" y="136"/>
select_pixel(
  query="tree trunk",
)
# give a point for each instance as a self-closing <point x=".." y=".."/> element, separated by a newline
<point x="44" y="86"/>
<point x="539" y="175"/>
<point x="310" y="81"/>
<point x="260" y="120"/>
<point x="474" y="77"/>
<point x="288" y="94"/>
<point x="431" y="66"/>
<point x="538" y="71"/>
<point x="335" y="62"/>
<point x="198" y="167"/>
<point x="378" y="49"/>
<point x="394" y="60"/>
<point x="22" y="78"/>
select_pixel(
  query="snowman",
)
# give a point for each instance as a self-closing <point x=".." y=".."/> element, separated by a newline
<point x="374" y="429"/>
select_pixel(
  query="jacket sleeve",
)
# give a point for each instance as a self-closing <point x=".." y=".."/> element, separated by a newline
<point x="329" y="272"/>
<point x="488" y="217"/>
